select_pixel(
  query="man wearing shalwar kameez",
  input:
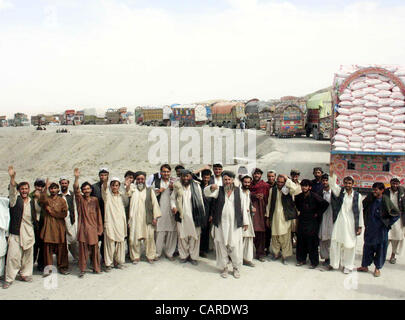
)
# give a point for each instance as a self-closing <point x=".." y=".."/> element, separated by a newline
<point x="249" y="234"/>
<point x="4" y="224"/>
<point x="348" y="222"/>
<point x="115" y="224"/>
<point x="188" y="206"/>
<point x="144" y="211"/>
<point x="229" y="219"/>
<point x="166" y="234"/>
<point x="21" y="240"/>
<point x="397" y="232"/>
<point x="279" y="212"/>
<point x="325" y="230"/>
<point x="379" y="215"/>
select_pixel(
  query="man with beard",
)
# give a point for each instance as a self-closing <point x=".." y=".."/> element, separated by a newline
<point x="311" y="207"/>
<point x="325" y="230"/>
<point x="397" y="232"/>
<point x="217" y="177"/>
<point x="144" y="212"/>
<point x="21" y="232"/>
<point x="379" y="215"/>
<point x="348" y="222"/>
<point x="228" y="218"/>
<point x="39" y="186"/>
<point x="259" y="194"/>
<point x="115" y="224"/>
<point x="205" y="229"/>
<point x="166" y="234"/>
<point x="53" y="232"/>
<point x="96" y="192"/>
<point x="317" y="183"/>
<point x="71" y="225"/>
<point x="242" y="171"/>
<point x="249" y="234"/>
<point x="271" y="181"/>
<point x="188" y="207"/>
<point x="295" y="174"/>
<point x="279" y="212"/>
<point x="90" y="225"/>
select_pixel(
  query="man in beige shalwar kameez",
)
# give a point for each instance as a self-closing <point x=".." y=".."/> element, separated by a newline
<point x="115" y="224"/>
<point x="188" y="205"/>
<point x="144" y="211"/>
<point x="20" y="255"/>
<point x="166" y="230"/>
<point x="279" y="217"/>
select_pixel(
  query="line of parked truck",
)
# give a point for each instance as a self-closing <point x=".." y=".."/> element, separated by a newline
<point x="285" y="117"/>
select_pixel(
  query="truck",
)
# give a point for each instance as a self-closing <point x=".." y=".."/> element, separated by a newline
<point x="289" y="120"/>
<point x="184" y="115"/>
<point x="257" y="113"/>
<point x="319" y="115"/>
<point x="228" y="114"/>
<point x="149" y="116"/>
<point x="365" y="166"/>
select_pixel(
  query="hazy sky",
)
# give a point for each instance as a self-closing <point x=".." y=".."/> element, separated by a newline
<point x="59" y="54"/>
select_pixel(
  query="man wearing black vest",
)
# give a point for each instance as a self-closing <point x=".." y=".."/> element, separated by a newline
<point x="348" y="222"/>
<point x="96" y="192"/>
<point x="188" y="207"/>
<point x="23" y="222"/>
<point x="280" y="212"/>
<point x="71" y="225"/>
<point x="379" y="215"/>
<point x="317" y="183"/>
<point x="397" y="233"/>
<point x="205" y="230"/>
<point x="311" y="208"/>
<point x="229" y="219"/>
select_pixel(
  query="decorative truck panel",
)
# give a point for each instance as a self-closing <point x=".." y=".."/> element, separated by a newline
<point x="364" y="165"/>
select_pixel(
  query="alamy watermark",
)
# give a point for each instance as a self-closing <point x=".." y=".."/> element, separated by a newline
<point x="202" y="145"/>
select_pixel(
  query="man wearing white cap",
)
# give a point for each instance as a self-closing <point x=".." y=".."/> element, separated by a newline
<point x="115" y="224"/>
<point x="144" y="211"/>
<point x="71" y="218"/>
<point x="96" y="192"/>
<point x="228" y="218"/>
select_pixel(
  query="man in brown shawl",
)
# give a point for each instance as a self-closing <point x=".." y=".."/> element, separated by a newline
<point x="53" y="232"/>
<point x="90" y="225"/>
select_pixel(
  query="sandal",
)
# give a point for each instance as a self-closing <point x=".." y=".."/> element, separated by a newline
<point x="6" y="285"/>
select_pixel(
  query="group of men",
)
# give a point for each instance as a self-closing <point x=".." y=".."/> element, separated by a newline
<point x="243" y="216"/>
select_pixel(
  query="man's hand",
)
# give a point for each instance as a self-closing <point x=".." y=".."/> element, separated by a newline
<point x="11" y="172"/>
<point x="260" y="196"/>
<point x="213" y="187"/>
<point x="284" y="176"/>
<point x="253" y="209"/>
<point x="127" y="182"/>
<point x="37" y="194"/>
<point x="331" y="171"/>
<point x="245" y="227"/>
<point x="47" y="184"/>
<point x="210" y="219"/>
<point x="171" y="186"/>
<point x="76" y="173"/>
<point x="159" y="191"/>
<point x="358" y="231"/>
<point x="174" y="210"/>
<point x="154" y="222"/>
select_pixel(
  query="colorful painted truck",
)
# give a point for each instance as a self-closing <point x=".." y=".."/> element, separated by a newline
<point x="257" y="113"/>
<point x="289" y="121"/>
<point x="228" y="114"/>
<point x="319" y="115"/>
<point x="367" y="161"/>
<point x="184" y="115"/>
<point x="149" y="116"/>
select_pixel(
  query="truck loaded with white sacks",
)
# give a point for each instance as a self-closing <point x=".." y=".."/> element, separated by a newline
<point x="368" y="134"/>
